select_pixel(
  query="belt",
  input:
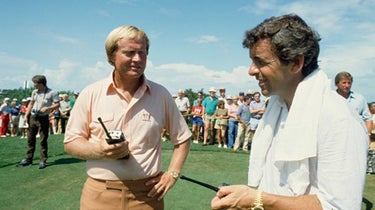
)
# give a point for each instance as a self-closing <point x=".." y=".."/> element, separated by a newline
<point x="123" y="184"/>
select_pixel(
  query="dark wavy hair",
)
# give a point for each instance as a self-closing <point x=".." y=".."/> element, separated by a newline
<point x="290" y="37"/>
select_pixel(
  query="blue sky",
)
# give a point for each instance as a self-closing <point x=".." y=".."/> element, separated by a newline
<point x="194" y="44"/>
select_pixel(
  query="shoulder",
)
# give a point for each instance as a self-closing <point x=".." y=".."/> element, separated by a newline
<point x="336" y="108"/>
<point x="358" y="97"/>
<point x="156" y="88"/>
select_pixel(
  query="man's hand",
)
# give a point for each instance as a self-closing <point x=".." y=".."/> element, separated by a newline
<point x="114" y="151"/>
<point x="233" y="197"/>
<point x="162" y="184"/>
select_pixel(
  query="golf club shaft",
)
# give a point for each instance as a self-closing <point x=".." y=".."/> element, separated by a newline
<point x="200" y="183"/>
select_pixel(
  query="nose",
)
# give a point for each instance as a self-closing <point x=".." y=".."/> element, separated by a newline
<point x="137" y="56"/>
<point x="253" y="69"/>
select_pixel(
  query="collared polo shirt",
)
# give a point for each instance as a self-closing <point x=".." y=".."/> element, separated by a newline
<point x="359" y="103"/>
<point x="210" y="105"/>
<point x="43" y="99"/>
<point x="141" y="120"/>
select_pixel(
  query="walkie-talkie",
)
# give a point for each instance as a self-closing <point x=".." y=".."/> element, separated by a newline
<point x="112" y="136"/>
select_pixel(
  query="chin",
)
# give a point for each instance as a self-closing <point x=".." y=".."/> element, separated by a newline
<point x="265" y="92"/>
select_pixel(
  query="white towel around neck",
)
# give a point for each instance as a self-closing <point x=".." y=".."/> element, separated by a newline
<point x="299" y="137"/>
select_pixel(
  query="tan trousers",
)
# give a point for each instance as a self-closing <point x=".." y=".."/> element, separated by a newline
<point x="124" y="195"/>
<point x="242" y="130"/>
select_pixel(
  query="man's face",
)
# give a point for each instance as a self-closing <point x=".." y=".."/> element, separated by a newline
<point x="372" y="108"/>
<point x="130" y="58"/>
<point x="344" y="86"/>
<point x="247" y="101"/>
<point x="38" y="86"/>
<point x="212" y="93"/>
<point x="274" y="77"/>
<point x="222" y="92"/>
<point x="257" y="97"/>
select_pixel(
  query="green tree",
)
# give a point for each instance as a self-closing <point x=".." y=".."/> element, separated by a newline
<point x="191" y="95"/>
<point x="19" y="93"/>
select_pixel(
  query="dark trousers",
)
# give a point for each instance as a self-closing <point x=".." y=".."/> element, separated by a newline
<point x="63" y="121"/>
<point x="38" y="124"/>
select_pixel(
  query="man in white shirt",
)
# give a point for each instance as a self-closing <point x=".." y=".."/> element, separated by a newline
<point x="309" y="150"/>
<point x="183" y="103"/>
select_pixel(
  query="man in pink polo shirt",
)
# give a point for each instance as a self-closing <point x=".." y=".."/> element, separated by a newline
<point x="126" y="175"/>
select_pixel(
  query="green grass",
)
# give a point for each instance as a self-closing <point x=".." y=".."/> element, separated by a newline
<point x="59" y="185"/>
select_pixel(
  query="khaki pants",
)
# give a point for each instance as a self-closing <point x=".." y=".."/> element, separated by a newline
<point x="124" y="195"/>
<point x="242" y="130"/>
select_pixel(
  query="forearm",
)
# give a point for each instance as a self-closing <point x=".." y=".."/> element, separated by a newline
<point x="54" y="106"/>
<point x="179" y="156"/>
<point x="277" y="202"/>
<point x="369" y="125"/>
<point x="83" y="149"/>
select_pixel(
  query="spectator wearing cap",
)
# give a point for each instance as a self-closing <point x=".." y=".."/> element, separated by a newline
<point x="243" y="117"/>
<point x="22" y="124"/>
<point x="183" y="103"/>
<point x="228" y="101"/>
<point x="5" y="117"/>
<point x="73" y="99"/>
<point x="250" y="93"/>
<point x="221" y="94"/>
<point x="209" y="107"/>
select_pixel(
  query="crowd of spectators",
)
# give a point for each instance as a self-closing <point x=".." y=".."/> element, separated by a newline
<point x="13" y="122"/>
<point x="222" y="119"/>
<point x="233" y="125"/>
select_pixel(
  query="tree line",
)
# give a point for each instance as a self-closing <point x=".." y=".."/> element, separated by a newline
<point x="22" y="93"/>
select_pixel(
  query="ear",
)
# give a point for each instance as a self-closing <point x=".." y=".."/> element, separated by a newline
<point x="298" y="64"/>
<point x="112" y="59"/>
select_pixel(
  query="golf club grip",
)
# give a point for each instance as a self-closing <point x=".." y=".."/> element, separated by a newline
<point x="200" y="183"/>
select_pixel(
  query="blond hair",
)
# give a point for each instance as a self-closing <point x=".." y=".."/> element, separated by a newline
<point x="123" y="32"/>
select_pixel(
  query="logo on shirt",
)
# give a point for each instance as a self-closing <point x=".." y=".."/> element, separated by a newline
<point x="146" y="116"/>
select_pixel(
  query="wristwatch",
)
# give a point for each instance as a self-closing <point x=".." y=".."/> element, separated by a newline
<point x="174" y="174"/>
<point x="258" y="204"/>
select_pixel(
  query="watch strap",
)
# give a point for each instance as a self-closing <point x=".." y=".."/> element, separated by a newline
<point x="258" y="201"/>
<point x="174" y="174"/>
